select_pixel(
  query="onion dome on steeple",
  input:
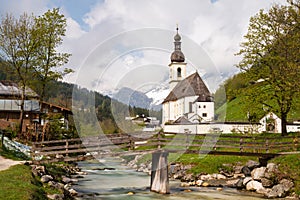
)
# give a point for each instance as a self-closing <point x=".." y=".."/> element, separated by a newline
<point x="177" y="55"/>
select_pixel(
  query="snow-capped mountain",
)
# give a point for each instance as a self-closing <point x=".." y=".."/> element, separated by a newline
<point x="158" y="94"/>
<point x="151" y="99"/>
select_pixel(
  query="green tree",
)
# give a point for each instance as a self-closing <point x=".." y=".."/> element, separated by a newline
<point x="51" y="27"/>
<point x="18" y="46"/>
<point x="271" y="58"/>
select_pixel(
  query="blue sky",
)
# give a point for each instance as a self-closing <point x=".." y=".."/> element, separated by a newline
<point x="217" y="26"/>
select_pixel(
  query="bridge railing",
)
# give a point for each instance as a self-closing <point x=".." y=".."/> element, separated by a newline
<point x="230" y="143"/>
<point x="118" y="144"/>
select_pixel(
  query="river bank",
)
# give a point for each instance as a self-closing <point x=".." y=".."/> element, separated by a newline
<point x="266" y="181"/>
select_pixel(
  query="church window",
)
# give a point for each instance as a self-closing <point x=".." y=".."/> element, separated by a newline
<point x="178" y="72"/>
<point x="204" y="114"/>
<point x="204" y="106"/>
<point x="190" y="107"/>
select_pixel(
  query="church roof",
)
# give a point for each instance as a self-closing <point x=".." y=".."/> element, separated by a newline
<point x="193" y="85"/>
<point x="182" y="120"/>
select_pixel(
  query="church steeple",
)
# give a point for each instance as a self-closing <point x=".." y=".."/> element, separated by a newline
<point x="177" y="55"/>
<point x="177" y="65"/>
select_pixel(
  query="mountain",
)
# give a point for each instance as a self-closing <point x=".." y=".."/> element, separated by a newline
<point x="132" y="98"/>
<point x="158" y="94"/>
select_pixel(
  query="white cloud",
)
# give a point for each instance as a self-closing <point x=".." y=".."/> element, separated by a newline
<point x="217" y="27"/>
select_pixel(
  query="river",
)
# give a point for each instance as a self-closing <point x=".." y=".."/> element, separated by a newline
<point x="110" y="179"/>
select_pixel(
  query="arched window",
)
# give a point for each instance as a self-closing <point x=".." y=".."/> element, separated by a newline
<point x="178" y="72"/>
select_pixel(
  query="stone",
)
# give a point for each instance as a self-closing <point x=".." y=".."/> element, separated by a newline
<point x="67" y="186"/>
<point x="247" y="180"/>
<point x="46" y="178"/>
<point x="216" y="182"/>
<point x="81" y="173"/>
<point x="232" y="182"/>
<point x="56" y="185"/>
<point x="269" y="175"/>
<point x="192" y="183"/>
<point x="40" y="170"/>
<point x="254" y="185"/>
<point x="205" y="184"/>
<point x="238" y="175"/>
<point x="55" y="196"/>
<point x="239" y="185"/>
<point x="237" y="169"/>
<point x="184" y="184"/>
<point x="267" y="182"/>
<point x="73" y="192"/>
<point x="188" y="177"/>
<point x="287" y="184"/>
<point x="276" y="191"/>
<point x="263" y="191"/>
<point x="205" y="177"/>
<point x="220" y="176"/>
<point x="258" y="173"/>
<point x="219" y="189"/>
<point x="199" y="182"/>
<point x="68" y="180"/>
<point x="272" y="167"/>
<point x="246" y="171"/>
<point x="251" y="164"/>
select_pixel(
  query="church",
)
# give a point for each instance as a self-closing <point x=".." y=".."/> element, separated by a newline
<point x="189" y="106"/>
<point x="189" y="100"/>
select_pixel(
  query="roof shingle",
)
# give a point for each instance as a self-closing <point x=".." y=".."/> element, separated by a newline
<point x="193" y="85"/>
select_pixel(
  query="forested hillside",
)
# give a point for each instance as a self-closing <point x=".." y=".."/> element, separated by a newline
<point x="233" y="101"/>
<point x="60" y="93"/>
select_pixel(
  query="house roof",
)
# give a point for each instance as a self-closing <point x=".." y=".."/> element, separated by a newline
<point x="193" y="85"/>
<point x="9" y="88"/>
<point x="61" y="108"/>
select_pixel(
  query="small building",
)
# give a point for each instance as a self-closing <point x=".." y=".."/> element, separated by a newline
<point x="272" y="123"/>
<point x="10" y="103"/>
<point x="10" y="106"/>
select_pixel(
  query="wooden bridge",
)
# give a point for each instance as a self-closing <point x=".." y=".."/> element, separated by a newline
<point x="160" y="145"/>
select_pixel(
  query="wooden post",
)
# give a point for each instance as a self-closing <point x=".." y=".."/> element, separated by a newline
<point x="267" y="146"/>
<point x="67" y="148"/>
<point x="158" y="140"/>
<point x="241" y="145"/>
<point x="295" y="141"/>
<point x="159" y="173"/>
<point x="131" y="143"/>
<point x="2" y="139"/>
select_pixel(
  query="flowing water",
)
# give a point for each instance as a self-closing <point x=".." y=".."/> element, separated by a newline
<point x="110" y="179"/>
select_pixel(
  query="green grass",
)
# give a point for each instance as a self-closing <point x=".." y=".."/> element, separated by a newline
<point x="289" y="165"/>
<point x="236" y="110"/>
<point x="18" y="183"/>
<point x="211" y="163"/>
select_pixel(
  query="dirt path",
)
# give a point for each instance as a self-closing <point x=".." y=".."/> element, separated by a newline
<point x="6" y="163"/>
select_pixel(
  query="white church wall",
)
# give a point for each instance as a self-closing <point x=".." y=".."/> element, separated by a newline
<point x="214" y="127"/>
<point x="293" y="128"/>
<point x="205" y="110"/>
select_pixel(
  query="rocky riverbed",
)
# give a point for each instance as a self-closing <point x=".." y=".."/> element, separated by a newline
<point x="266" y="180"/>
<point x="62" y="183"/>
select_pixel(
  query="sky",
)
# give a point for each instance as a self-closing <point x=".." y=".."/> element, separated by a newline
<point x="117" y="43"/>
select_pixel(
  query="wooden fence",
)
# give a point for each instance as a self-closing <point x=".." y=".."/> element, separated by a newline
<point x="125" y="144"/>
